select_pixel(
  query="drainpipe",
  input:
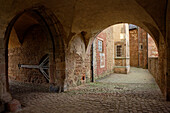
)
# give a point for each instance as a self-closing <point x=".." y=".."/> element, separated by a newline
<point x="92" y="74"/>
<point x="147" y="50"/>
<point x="138" y="48"/>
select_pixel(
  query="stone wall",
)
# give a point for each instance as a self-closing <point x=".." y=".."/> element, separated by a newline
<point x="121" y="65"/>
<point x="152" y="48"/>
<point x="143" y="48"/>
<point x="121" y="36"/>
<point x="103" y="61"/>
<point x="78" y="63"/>
<point x="134" y="46"/>
<point x="30" y="52"/>
<point x="162" y="66"/>
<point x="77" y="16"/>
<point x="138" y="47"/>
<point x="153" y="67"/>
<point x="101" y="56"/>
<point x="110" y="50"/>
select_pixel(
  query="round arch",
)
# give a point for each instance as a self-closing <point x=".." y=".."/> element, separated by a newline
<point x="152" y="31"/>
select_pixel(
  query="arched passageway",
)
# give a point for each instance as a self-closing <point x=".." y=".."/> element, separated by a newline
<point x="74" y="29"/>
<point x="121" y="46"/>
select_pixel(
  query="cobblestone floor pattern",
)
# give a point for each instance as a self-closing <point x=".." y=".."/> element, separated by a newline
<point x="105" y="96"/>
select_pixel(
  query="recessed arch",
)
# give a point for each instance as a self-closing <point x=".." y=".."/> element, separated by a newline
<point x="53" y="31"/>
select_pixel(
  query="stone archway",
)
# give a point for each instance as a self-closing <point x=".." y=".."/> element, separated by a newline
<point x="43" y="20"/>
<point x="160" y="43"/>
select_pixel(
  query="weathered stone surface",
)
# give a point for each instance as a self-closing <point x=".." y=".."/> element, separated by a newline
<point x="6" y="97"/>
<point x="103" y="60"/>
<point x="152" y="47"/>
<point x="138" y="47"/>
<point x="121" y="39"/>
<point x="134" y="46"/>
<point x="135" y="92"/>
<point x="153" y="67"/>
<point x="34" y="47"/>
<point x="78" y="63"/>
<point x="120" y="70"/>
<point x="14" y="105"/>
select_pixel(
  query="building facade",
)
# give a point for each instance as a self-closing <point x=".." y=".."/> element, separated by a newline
<point x="138" y="47"/>
<point x="121" y="47"/>
<point x="103" y="50"/>
<point x="142" y="46"/>
<point x="111" y="51"/>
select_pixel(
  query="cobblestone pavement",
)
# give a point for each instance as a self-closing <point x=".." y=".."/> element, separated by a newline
<point x="136" y="75"/>
<point x="106" y="95"/>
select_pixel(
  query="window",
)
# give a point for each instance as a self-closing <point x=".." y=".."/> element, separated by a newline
<point x="122" y="30"/>
<point x="100" y="45"/>
<point x="119" y="51"/>
<point x="102" y="60"/>
<point x="140" y="47"/>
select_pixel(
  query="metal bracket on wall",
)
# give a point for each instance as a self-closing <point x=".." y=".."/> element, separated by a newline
<point x="42" y="67"/>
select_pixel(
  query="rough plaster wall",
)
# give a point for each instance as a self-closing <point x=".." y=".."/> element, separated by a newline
<point x="14" y="41"/>
<point x="152" y="48"/>
<point x="34" y="47"/>
<point x="105" y="13"/>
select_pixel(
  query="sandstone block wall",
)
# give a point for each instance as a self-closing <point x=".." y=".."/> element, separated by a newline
<point x="138" y="47"/>
<point x="110" y="50"/>
<point x="153" y="67"/>
<point x="78" y="63"/>
<point x="121" y="37"/>
<point x="134" y="47"/>
<point x="30" y="52"/>
<point x="121" y="63"/>
<point x="143" y="51"/>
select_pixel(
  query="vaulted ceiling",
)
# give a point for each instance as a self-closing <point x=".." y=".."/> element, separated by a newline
<point x="92" y="16"/>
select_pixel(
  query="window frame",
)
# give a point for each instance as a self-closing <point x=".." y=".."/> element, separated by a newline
<point x="120" y="52"/>
<point x="100" y="45"/>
